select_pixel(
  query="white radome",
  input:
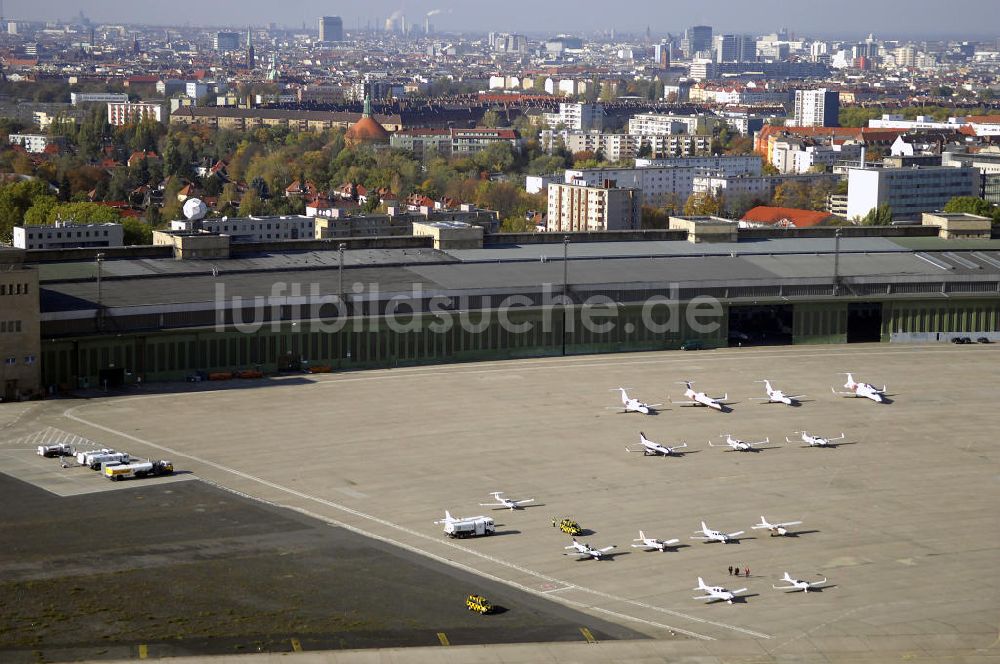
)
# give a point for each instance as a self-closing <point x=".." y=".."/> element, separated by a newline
<point x="194" y="209"/>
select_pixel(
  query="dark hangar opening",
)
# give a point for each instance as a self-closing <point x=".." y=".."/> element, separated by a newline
<point x="760" y="325"/>
<point x="864" y="322"/>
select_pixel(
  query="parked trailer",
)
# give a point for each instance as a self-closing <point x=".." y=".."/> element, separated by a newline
<point x="141" y="469"/>
<point x="57" y="450"/>
<point x="97" y="461"/>
<point x="85" y="458"/>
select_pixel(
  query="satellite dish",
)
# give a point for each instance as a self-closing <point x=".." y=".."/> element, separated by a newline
<point x="195" y="209"/>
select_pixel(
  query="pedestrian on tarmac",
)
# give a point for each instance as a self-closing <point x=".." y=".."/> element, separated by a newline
<point x="730" y="570"/>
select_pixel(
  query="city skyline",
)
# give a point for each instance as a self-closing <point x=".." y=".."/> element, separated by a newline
<point x="965" y="18"/>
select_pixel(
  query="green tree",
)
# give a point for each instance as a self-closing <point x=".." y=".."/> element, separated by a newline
<point x="880" y="216"/>
<point x="15" y="200"/>
<point x="496" y="157"/>
<point x="491" y="119"/>
<point x="702" y="204"/>
<point x="973" y="205"/>
<point x="136" y="232"/>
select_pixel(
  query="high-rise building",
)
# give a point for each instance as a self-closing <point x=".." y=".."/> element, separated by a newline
<point x="331" y="29"/>
<point x="661" y="55"/>
<point x="699" y="39"/>
<point x="817" y="108"/>
<point x="226" y="41"/>
<point x="735" y="48"/>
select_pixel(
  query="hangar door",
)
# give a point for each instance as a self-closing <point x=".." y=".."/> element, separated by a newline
<point x="864" y="322"/>
<point x="760" y="325"/>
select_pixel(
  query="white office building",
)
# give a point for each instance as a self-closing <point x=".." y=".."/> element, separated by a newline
<point x="605" y="207"/>
<point x="35" y="143"/>
<point x="908" y="191"/>
<point x="253" y="229"/>
<point x="77" y="98"/>
<point x="667" y="182"/>
<point x="66" y="235"/>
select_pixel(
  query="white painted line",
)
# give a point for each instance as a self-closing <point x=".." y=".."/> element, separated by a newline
<point x="238" y="473"/>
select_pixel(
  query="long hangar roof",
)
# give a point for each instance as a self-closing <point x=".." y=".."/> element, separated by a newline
<point x="151" y="282"/>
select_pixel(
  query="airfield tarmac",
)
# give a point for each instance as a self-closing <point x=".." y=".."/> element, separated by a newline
<point x="903" y="521"/>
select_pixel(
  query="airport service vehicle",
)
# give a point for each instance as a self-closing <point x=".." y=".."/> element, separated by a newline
<point x="863" y="390"/>
<point x="651" y="543"/>
<point x="107" y="457"/>
<point x="466" y="526"/>
<point x="776" y="396"/>
<point x="738" y="445"/>
<point x="478" y="604"/>
<point x="775" y="528"/>
<point x="583" y="550"/>
<point x="696" y="398"/>
<point x="649" y="448"/>
<point x="797" y="584"/>
<point x="570" y="527"/>
<point x="506" y="503"/>
<point x="708" y="535"/>
<point x="717" y="593"/>
<point x="630" y="405"/>
<point x="141" y="469"/>
<point x="693" y="344"/>
<point x="86" y="458"/>
<point x="57" y="450"/>
<point x="815" y="441"/>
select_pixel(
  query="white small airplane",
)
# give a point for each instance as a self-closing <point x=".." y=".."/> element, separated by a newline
<point x="507" y="503"/>
<point x="583" y="550"/>
<point x="815" y="441"/>
<point x="738" y="445"/>
<point x="700" y="398"/>
<point x="630" y="405"/>
<point x="649" y="448"/>
<point x="864" y="390"/>
<point x="797" y="584"/>
<point x="775" y="528"/>
<point x="650" y="543"/>
<point x="776" y="396"/>
<point x="709" y="535"/>
<point x="717" y="593"/>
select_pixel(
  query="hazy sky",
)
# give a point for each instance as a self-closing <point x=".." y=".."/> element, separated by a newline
<point x="889" y="18"/>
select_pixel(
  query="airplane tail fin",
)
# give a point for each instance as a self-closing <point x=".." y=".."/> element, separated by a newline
<point x="787" y="577"/>
<point x="448" y="516"/>
<point x="703" y="526"/>
<point x="701" y="583"/>
<point x="642" y="535"/>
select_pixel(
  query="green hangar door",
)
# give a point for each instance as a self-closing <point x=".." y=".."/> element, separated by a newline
<point x="760" y="325"/>
<point x="864" y="322"/>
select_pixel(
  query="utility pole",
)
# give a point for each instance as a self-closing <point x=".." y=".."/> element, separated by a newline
<point x="100" y="306"/>
<point x="565" y="291"/>
<point x="836" y="262"/>
<point x="340" y="270"/>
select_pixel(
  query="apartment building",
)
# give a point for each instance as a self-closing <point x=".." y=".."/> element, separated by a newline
<point x="817" y="108"/>
<point x="576" y="117"/>
<point x="606" y="207"/>
<point x="124" y="113"/>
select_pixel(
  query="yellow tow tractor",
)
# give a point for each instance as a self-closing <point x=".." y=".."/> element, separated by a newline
<point x="479" y="604"/>
<point x="570" y="527"/>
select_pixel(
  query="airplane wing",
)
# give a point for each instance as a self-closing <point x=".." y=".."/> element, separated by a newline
<point x="606" y="549"/>
<point x="788" y="523"/>
<point x="578" y="554"/>
<point x="736" y="534"/>
<point x="653" y="405"/>
<point x="669" y="542"/>
<point x="761" y="525"/>
<point x="629" y="449"/>
<point x="643" y="546"/>
<point x="738" y="591"/>
<point x="783" y="587"/>
<point x="700" y="538"/>
<point x="818" y="583"/>
<point x="705" y="597"/>
<point x="796" y="396"/>
<point x="523" y="501"/>
<point x="843" y="394"/>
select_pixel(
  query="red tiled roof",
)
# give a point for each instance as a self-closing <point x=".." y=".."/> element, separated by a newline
<point x="782" y="216"/>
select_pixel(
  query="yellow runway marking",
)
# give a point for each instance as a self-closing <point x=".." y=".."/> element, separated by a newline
<point x="443" y="639"/>
<point x="587" y="635"/>
<point x="296" y="646"/>
<point x="143" y="651"/>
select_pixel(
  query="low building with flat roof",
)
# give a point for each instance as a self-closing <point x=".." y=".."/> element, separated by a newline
<point x="68" y="235"/>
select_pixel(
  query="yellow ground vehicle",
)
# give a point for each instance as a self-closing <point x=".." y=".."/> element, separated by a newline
<point x="570" y="527"/>
<point x="479" y="604"/>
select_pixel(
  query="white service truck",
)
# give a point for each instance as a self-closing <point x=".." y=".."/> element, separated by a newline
<point x="139" y="469"/>
<point x="86" y="457"/>
<point x="57" y="450"/>
<point x="98" y="461"/>
<point x="467" y="526"/>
